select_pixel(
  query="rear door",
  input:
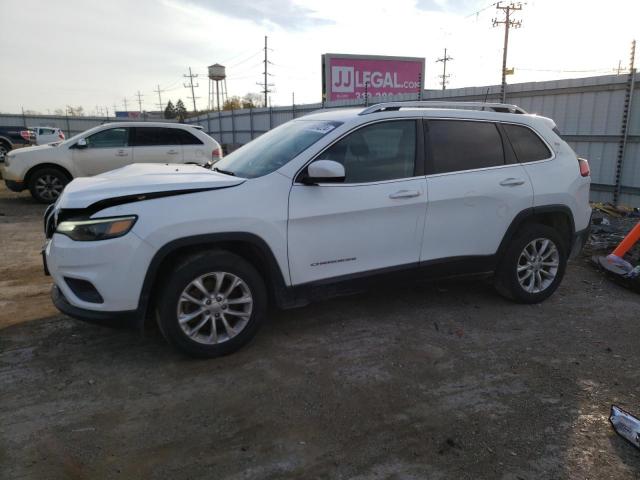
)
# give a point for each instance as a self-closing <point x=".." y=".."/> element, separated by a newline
<point x="106" y="150"/>
<point x="476" y="188"/>
<point x="194" y="150"/>
<point x="156" y="145"/>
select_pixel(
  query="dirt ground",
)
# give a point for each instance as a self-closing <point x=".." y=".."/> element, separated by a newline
<point x="435" y="381"/>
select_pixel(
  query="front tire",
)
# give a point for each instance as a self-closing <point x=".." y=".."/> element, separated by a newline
<point x="533" y="266"/>
<point x="212" y="304"/>
<point x="46" y="184"/>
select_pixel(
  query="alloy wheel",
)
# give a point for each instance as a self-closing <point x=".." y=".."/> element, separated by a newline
<point x="538" y="265"/>
<point x="49" y="187"/>
<point x="214" y="308"/>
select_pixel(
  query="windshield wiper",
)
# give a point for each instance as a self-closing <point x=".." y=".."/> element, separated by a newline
<point x="225" y="172"/>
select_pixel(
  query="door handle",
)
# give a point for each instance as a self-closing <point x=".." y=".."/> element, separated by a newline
<point x="122" y="153"/>
<point x="172" y="152"/>
<point x="405" y="194"/>
<point x="512" y="182"/>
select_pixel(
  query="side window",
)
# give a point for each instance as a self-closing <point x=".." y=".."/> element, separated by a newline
<point x="154" y="137"/>
<point x="186" y="138"/>
<point x="111" y="138"/>
<point x="382" y="151"/>
<point x="47" y="131"/>
<point x="527" y="145"/>
<point x="458" y="145"/>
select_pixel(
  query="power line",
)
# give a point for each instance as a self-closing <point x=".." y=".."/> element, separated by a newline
<point x="508" y="23"/>
<point x="444" y="75"/>
<point x="478" y="12"/>
<point x="193" y="97"/>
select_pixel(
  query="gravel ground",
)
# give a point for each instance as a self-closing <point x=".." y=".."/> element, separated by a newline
<point x="434" y="381"/>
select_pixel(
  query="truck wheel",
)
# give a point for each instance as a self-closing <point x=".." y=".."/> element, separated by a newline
<point x="533" y="265"/>
<point x="211" y="304"/>
<point x="46" y="184"/>
<point x="4" y="149"/>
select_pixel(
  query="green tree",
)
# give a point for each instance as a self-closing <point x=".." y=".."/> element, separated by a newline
<point x="170" y="111"/>
<point x="181" y="111"/>
<point x="232" y="103"/>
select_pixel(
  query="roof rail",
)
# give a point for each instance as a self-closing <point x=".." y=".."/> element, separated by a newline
<point x="390" y="106"/>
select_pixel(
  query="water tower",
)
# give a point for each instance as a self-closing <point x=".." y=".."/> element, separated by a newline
<point x="217" y="74"/>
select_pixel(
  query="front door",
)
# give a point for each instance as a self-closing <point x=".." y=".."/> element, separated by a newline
<point x="476" y="188"/>
<point x="374" y="220"/>
<point x="106" y="150"/>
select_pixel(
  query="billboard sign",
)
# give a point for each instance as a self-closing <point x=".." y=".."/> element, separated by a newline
<point x="351" y="77"/>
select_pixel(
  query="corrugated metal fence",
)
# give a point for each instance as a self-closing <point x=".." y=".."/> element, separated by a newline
<point x="588" y="112"/>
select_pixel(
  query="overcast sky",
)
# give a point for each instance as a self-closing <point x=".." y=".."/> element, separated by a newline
<point x="97" y="53"/>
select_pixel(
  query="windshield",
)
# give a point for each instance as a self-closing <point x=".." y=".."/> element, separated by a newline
<point x="80" y="135"/>
<point x="275" y="148"/>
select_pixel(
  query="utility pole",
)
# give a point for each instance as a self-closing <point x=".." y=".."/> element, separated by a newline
<point x="444" y="75"/>
<point x="508" y="23"/>
<point x="159" y="92"/>
<point x="139" y="95"/>
<point x="125" y="104"/>
<point x="265" y="84"/>
<point x="193" y="97"/>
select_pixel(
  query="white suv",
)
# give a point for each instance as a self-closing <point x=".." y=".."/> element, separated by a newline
<point x="46" y="169"/>
<point x="46" y="135"/>
<point x="315" y="207"/>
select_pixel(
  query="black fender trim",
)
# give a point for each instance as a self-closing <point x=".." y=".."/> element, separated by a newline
<point x="274" y="280"/>
<point x="525" y="215"/>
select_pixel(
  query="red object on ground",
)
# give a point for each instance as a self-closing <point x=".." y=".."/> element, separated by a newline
<point x="627" y="242"/>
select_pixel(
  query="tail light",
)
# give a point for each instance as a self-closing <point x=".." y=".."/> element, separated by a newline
<point x="26" y="134"/>
<point x="585" y="171"/>
<point x="61" y="135"/>
<point x="216" y="154"/>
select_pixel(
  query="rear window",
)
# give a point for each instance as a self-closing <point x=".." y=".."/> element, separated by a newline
<point x="154" y="136"/>
<point x="186" y="138"/>
<point x="458" y="145"/>
<point x="527" y="144"/>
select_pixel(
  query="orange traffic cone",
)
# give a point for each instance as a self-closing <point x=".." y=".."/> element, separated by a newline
<point x="615" y="262"/>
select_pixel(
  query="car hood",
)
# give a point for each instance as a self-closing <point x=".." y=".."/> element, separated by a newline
<point x="141" y="181"/>
<point x="36" y="149"/>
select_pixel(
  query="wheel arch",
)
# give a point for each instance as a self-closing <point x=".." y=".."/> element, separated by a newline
<point x="6" y="141"/>
<point x="32" y="170"/>
<point x="558" y="217"/>
<point x="249" y="246"/>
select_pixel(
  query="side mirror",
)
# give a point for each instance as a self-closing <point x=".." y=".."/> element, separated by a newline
<point x="324" y="171"/>
<point x="82" y="143"/>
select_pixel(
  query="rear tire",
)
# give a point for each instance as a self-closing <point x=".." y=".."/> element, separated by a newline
<point x="533" y="266"/>
<point x="211" y="304"/>
<point x="46" y="184"/>
<point x="4" y="149"/>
